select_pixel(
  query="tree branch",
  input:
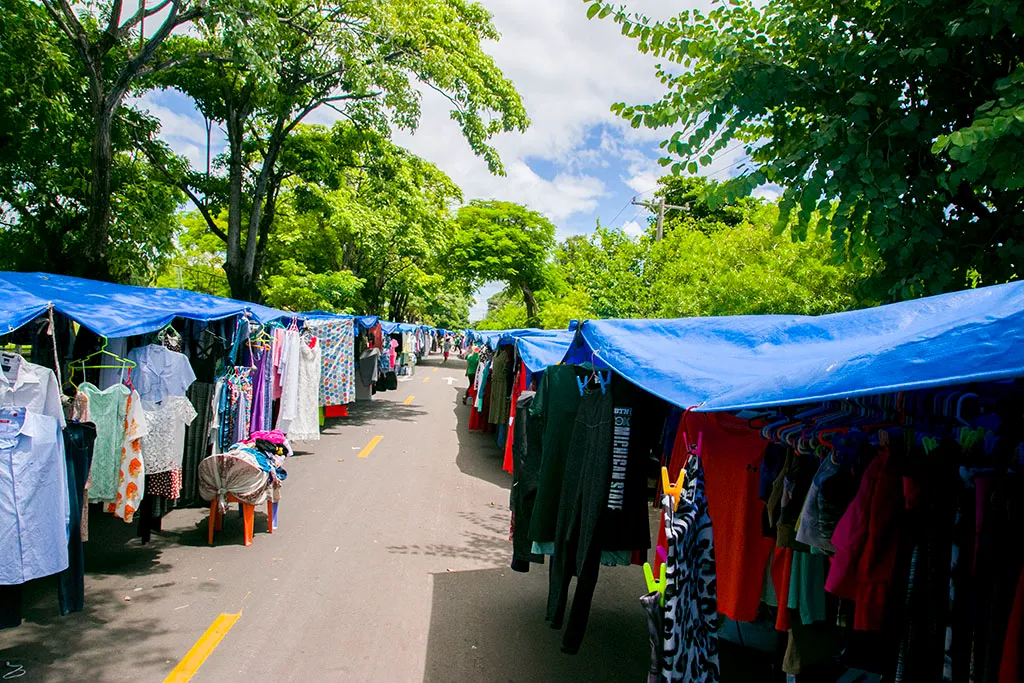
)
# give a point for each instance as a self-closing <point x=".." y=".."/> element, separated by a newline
<point x="143" y="13"/>
<point x="68" y="22"/>
<point x="115" y="17"/>
<point x="177" y="61"/>
<point x="204" y="211"/>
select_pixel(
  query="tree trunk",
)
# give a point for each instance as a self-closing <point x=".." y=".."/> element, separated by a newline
<point x="267" y="222"/>
<point x="97" y="230"/>
<point x="532" y="320"/>
<point x="234" y="266"/>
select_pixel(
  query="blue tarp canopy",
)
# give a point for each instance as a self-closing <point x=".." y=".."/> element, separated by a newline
<point x="18" y="307"/>
<point x="365" y="322"/>
<point x="548" y="347"/>
<point x="740" y="362"/>
<point x="113" y="310"/>
<point x="391" y="327"/>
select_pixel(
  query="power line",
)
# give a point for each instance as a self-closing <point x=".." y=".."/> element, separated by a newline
<point x="619" y="213"/>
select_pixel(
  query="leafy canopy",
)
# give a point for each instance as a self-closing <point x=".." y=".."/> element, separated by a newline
<point x="895" y="124"/>
<point x="709" y="263"/>
<point x="503" y="241"/>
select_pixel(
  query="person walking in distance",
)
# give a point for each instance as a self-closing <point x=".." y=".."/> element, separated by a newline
<point x="472" y="360"/>
<point x="447" y="348"/>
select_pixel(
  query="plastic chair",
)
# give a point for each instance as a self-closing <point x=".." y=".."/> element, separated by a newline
<point x="248" y="515"/>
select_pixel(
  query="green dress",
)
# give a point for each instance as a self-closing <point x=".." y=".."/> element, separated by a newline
<point x="107" y="412"/>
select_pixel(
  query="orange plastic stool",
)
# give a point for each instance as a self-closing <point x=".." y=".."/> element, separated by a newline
<point x="248" y="515"/>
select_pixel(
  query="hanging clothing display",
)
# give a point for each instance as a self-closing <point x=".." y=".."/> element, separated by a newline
<point x="306" y="425"/>
<point x="29" y="386"/>
<point x="79" y="440"/>
<point x="197" y="440"/>
<point x="499" y="388"/>
<point x="288" y="371"/>
<point x="107" y="410"/>
<point x="690" y="624"/>
<point x="160" y="372"/>
<point x="337" y="351"/>
<point x="234" y="406"/>
<point x="526" y="450"/>
<point x="164" y="443"/>
<point x="367" y="373"/>
<point x="262" y="390"/>
<point x="132" y="469"/>
<point x="583" y="500"/>
<point x="34" y="505"/>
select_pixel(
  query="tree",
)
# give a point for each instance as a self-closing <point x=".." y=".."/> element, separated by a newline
<point x="362" y="204"/>
<point x="362" y="226"/>
<point x="46" y="160"/>
<point x="114" y="52"/>
<point x="898" y="124"/>
<point x="362" y="60"/>
<point x="725" y="261"/>
<point x="503" y="241"/>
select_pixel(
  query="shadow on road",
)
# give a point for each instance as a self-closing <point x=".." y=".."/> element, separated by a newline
<point x="488" y="625"/>
<point x="479" y="455"/>
<point x="487" y="540"/>
<point x="93" y="644"/>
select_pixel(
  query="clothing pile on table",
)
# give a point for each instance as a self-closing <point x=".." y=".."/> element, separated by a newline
<point x="252" y="470"/>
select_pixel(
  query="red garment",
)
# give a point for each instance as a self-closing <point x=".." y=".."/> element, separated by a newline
<point x="518" y="387"/>
<point x="782" y="571"/>
<point x="475" y="417"/>
<point x="676" y="463"/>
<point x="731" y="455"/>
<point x="1011" y="669"/>
<point x="866" y="541"/>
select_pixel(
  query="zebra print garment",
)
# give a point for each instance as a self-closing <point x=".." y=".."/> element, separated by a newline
<point x="691" y="611"/>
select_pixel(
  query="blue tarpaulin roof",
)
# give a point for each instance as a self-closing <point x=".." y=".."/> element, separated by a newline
<point x="538" y="351"/>
<point x="757" y="361"/>
<point x="18" y="307"/>
<point x="113" y="310"/>
<point x="365" y="322"/>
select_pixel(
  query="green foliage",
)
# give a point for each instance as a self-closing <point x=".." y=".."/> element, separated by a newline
<point x="703" y="267"/>
<point x="506" y="242"/>
<point x="297" y="289"/>
<point x="197" y="258"/>
<point x="895" y="125"/>
<point x="364" y="60"/>
<point x="45" y="161"/>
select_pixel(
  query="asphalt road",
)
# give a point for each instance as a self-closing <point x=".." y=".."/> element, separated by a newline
<point x="391" y="567"/>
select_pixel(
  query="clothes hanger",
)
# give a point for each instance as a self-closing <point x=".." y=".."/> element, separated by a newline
<point x="123" y="363"/>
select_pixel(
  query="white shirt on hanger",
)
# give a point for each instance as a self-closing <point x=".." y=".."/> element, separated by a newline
<point x="160" y="372"/>
<point x="34" y="504"/>
<point x="30" y="386"/>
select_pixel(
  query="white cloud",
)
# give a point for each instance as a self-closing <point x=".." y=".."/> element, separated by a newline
<point x="633" y="228"/>
<point x="569" y="70"/>
<point x="183" y="131"/>
<point x="769" y="192"/>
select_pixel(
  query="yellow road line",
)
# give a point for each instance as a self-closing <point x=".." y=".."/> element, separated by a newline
<point x="426" y="379"/>
<point x="408" y="400"/>
<point x="370" y="446"/>
<point x="195" y="657"/>
<point x="435" y="369"/>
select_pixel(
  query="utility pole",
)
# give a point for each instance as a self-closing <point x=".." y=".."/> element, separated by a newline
<point x="660" y="207"/>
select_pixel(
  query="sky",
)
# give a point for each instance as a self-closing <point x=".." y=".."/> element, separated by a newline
<point x="577" y="163"/>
